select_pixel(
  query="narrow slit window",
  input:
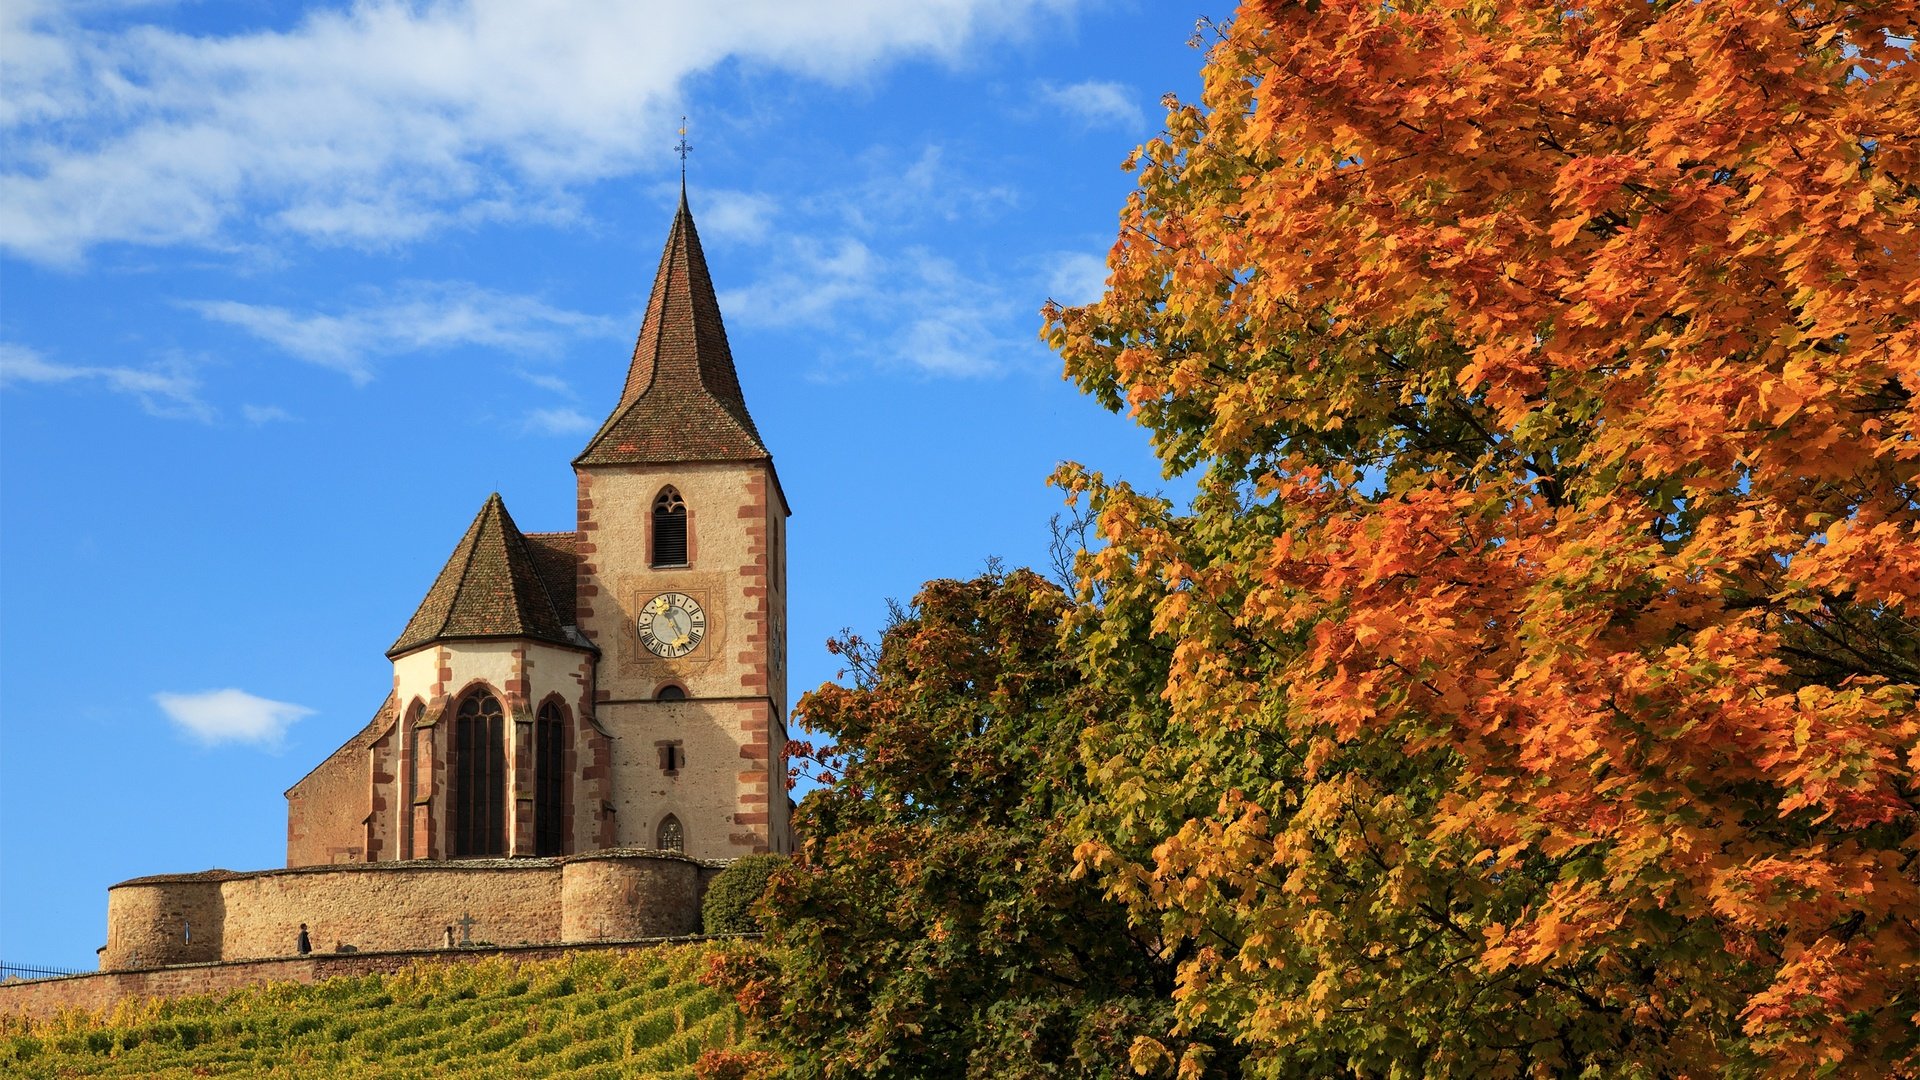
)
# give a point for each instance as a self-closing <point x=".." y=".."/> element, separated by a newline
<point x="669" y="529"/>
<point x="673" y="757"/>
<point x="549" y="781"/>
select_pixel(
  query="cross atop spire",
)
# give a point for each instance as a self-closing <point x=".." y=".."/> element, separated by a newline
<point x="683" y="148"/>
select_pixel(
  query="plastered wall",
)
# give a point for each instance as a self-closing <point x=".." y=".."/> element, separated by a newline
<point x="728" y="796"/>
<point x="726" y="516"/>
<point x="525" y="675"/>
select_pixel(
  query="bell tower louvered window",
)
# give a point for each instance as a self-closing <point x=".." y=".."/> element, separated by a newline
<point x="549" y="781"/>
<point x="479" y="797"/>
<point x="669" y="529"/>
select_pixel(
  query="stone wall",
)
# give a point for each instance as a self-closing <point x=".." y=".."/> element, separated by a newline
<point x="224" y="916"/>
<point x="43" y="998"/>
<point x="327" y="808"/>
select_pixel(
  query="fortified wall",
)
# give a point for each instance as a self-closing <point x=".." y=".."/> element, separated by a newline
<point x="222" y="915"/>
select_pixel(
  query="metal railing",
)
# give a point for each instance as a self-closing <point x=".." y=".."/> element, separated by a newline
<point x="9" y="972"/>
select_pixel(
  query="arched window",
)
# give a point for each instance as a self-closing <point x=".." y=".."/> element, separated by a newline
<point x="549" y="780"/>
<point x="671" y="837"/>
<point x="416" y="779"/>
<point x="669" y="529"/>
<point x="478" y="799"/>
<point x="671" y="692"/>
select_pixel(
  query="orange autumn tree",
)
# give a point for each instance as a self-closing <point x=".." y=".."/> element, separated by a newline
<point x="1544" y="630"/>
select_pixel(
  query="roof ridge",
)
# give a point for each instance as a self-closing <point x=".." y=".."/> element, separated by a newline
<point x="538" y="578"/>
<point x="466" y="566"/>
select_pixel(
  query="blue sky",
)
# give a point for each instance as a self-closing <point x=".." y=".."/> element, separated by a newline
<point x="286" y="291"/>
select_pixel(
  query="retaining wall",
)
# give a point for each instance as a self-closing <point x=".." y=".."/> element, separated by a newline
<point x="220" y="915"/>
<point x="42" y="998"/>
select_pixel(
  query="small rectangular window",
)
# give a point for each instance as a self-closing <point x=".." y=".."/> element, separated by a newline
<point x="673" y="758"/>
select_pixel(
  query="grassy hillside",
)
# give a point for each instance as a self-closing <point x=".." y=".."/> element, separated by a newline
<point x="593" y="1015"/>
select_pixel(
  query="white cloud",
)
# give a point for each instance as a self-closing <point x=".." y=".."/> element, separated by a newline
<point x="1097" y="104"/>
<point x="736" y="215"/>
<point x="169" y="390"/>
<point x="552" y="383"/>
<point x="809" y="281"/>
<point x="261" y="415"/>
<point x="958" y="326"/>
<point x="926" y="188"/>
<point x="1076" y="278"/>
<point x="559" y="422"/>
<point x="380" y="120"/>
<point x="220" y="716"/>
<point x="417" y="317"/>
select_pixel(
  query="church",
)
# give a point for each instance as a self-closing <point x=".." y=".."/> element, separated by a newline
<point x="619" y="684"/>
<point x="583" y="726"/>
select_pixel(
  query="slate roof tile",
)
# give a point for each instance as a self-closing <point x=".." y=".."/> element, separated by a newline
<point x="559" y="566"/>
<point x="682" y="399"/>
<point x="491" y="587"/>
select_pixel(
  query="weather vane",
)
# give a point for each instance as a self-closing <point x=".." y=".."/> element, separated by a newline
<point x="683" y="148"/>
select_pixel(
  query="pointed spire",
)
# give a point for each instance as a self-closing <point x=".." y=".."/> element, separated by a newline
<point x="491" y="587"/>
<point x="682" y="399"/>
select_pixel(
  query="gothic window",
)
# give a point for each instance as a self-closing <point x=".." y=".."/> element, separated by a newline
<point x="416" y="776"/>
<point x="477" y="799"/>
<point x="669" y="529"/>
<point x="671" y="692"/>
<point x="671" y="838"/>
<point x="549" y="780"/>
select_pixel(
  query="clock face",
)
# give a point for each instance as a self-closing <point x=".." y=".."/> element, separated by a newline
<point x="672" y="624"/>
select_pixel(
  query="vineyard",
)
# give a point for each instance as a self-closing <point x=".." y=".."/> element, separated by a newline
<point x="641" y="1014"/>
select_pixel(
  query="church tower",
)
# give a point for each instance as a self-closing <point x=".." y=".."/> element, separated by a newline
<point x="681" y="586"/>
<point x="623" y="685"/>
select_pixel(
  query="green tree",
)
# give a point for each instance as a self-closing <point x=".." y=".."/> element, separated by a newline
<point x="937" y="927"/>
<point x="728" y="906"/>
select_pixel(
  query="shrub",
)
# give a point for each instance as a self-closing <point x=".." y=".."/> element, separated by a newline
<point x="728" y="906"/>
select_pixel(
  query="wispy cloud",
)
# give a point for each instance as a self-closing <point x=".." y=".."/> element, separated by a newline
<point x="558" y="422"/>
<point x="261" y="415"/>
<point x="1075" y="277"/>
<point x="552" y="383"/>
<point x="415" y="317"/>
<point x="169" y="390"/>
<point x="960" y="325"/>
<point x="927" y="188"/>
<point x="1097" y="104"/>
<point x="375" y="122"/>
<point x="231" y="716"/>
<point x="737" y="215"/>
